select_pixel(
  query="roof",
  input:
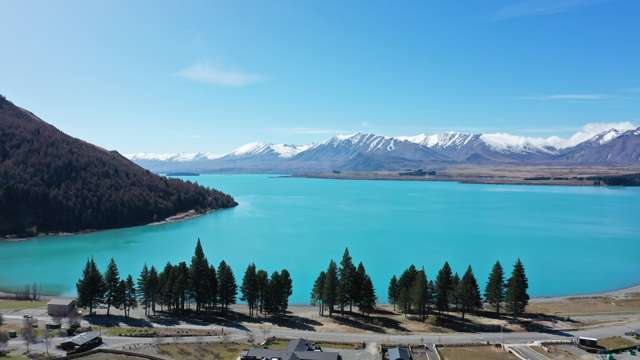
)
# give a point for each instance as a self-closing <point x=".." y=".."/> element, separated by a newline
<point x="398" y="353"/>
<point x="61" y="301"/>
<point x="298" y="349"/>
<point x="83" y="338"/>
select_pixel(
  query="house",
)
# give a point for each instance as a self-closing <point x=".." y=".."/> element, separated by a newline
<point x="60" y="307"/>
<point x="398" y="353"/>
<point x="82" y="342"/>
<point x="298" y="349"/>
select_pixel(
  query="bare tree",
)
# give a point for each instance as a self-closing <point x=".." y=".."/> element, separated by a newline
<point x="28" y="334"/>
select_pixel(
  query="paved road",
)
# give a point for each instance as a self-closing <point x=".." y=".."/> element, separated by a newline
<point x="528" y="353"/>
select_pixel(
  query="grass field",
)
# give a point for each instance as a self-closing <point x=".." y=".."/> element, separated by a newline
<point x="587" y="306"/>
<point x="11" y="305"/>
<point x="209" y="351"/>
<point x="563" y="353"/>
<point x="474" y="352"/>
<point x="616" y="343"/>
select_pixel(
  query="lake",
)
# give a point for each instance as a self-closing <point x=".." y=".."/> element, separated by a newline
<point x="570" y="239"/>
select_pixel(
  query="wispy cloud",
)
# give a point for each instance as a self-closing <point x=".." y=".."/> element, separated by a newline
<point x="569" y="97"/>
<point x="219" y="76"/>
<point x="539" y="8"/>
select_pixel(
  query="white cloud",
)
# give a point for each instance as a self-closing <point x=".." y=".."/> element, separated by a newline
<point x="592" y="129"/>
<point x="216" y="75"/>
<point x="539" y="8"/>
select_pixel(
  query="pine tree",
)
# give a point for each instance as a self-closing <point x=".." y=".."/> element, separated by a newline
<point x="262" y="289"/>
<point x="249" y="288"/>
<point x="90" y="287"/>
<point x="285" y="291"/>
<point x="120" y="296"/>
<point x="227" y="288"/>
<point x="331" y="287"/>
<point x="443" y="288"/>
<point x="198" y="276"/>
<point x="212" y="287"/>
<point x="153" y="288"/>
<point x="405" y="282"/>
<point x="130" y="295"/>
<point x="143" y="288"/>
<point x="516" y="297"/>
<point x="317" y="293"/>
<point x="181" y="285"/>
<point x="346" y="276"/>
<point x="392" y="292"/>
<point x="359" y="277"/>
<point x="419" y="293"/>
<point x="454" y="297"/>
<point x="494" y="291"/>
<point x="111" y="281"/>
<point x="469" y="292"/>
<point x="367" y="297"/>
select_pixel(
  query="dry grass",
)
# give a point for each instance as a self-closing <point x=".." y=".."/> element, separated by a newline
<point x="561" y="353"/>
<point x="474" y="352"/>
<point x="208" y="351"/>
<point x="12" y="305"/>
<point x="616" y="343"/>
<point x="587" y="306"/>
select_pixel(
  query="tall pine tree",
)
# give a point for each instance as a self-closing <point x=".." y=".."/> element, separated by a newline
<point x="198" y="274"/>
<point x="494" y="291"/>
<point x="249" y="288"/>
<point x="317" y="293"/>
<point x="469" y="292"/>
<point x="112" y="282"/>
<point x="443" y="288"/>
<point x="90" y="287"/>
<point x="331" y="287"/>
<point x="346" y="278"/>
<point x="516" y="297"/>
<point x="420" y="293"/>
<point x="227" y="288"/>
<point x="392" y="292"/>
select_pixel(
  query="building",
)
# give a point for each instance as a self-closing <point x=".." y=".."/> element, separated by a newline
<point x="398" y="353"/>
<point x="298" y="349"/>
<point x="60" y="307"/>
<point x="83" y="342"/>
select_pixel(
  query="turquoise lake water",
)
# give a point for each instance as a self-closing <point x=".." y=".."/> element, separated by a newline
<point x="571" y="239"/>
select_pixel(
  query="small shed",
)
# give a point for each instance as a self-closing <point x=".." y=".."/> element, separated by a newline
<point x="60" y="307"/>
<point x="398" y="353"/>
<point x="83" y="342"/>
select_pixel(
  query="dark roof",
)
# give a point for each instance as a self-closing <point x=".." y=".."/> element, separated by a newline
<point x="298" y="349"/>
<point x="398" y="353"/>
<point x="83" y="338"/>
<point x="61" y="301"/>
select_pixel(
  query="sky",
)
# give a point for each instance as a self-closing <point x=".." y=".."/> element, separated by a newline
<point x="156" y="76"/>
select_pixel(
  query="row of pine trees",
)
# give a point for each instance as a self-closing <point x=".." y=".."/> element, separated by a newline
<point x="413" y="293"/>
<point x="177" y="287"/>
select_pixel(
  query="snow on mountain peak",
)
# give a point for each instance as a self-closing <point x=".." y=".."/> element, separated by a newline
<point x="183" y="156"/>
<point x="258" y="148"/>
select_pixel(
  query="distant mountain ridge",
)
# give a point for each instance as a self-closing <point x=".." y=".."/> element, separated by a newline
<point x="52" y="182"/>
<point x="371" y="152"/>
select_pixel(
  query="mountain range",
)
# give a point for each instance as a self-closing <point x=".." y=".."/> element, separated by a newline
<point x="616" y="146"/>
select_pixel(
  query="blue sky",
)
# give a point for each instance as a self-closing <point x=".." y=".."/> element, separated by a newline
<point x="209" y="76"/>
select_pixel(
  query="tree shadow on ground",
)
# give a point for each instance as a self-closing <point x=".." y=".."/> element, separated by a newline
<point x="116" y="320"/>
<point x="372" y="322"/>
<point x="466" y="325"/>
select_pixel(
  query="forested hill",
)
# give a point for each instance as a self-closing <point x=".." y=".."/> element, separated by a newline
<point x="52" y="182"/>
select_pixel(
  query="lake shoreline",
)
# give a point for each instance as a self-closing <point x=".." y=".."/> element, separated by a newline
<point x="182" y="216"/>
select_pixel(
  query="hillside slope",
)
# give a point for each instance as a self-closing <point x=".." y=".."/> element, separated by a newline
<point x="52" y="182"/>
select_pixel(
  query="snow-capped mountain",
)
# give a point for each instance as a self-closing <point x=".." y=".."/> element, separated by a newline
<point x="257" y="149"/>
<point x="172" y="157"/>
<point x="595" y="144"/>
